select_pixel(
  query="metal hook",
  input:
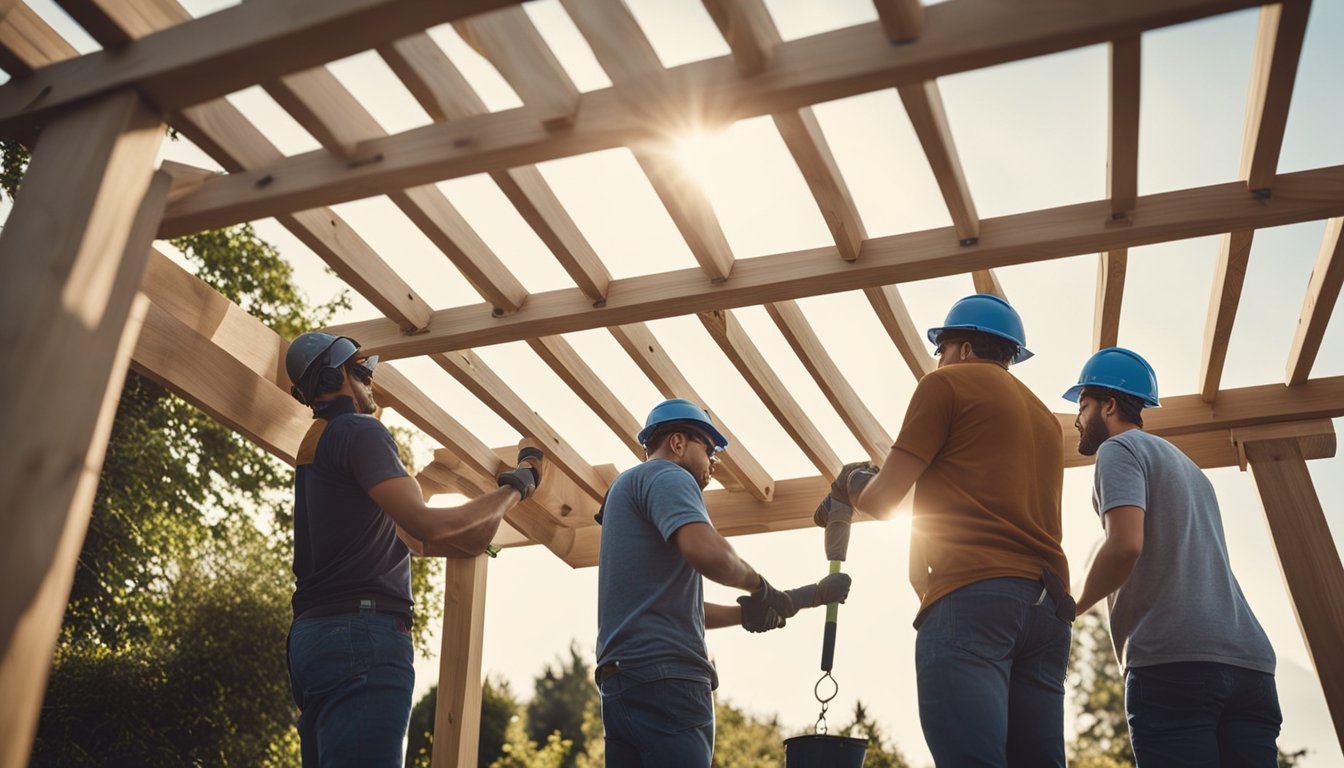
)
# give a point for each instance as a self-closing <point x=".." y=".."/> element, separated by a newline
<point x="825" y="700"/>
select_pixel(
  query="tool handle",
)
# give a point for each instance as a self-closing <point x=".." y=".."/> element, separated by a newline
<point x="828" y="632"/>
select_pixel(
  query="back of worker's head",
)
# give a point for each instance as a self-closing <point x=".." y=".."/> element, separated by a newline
<point x="1120" y="374"/>
<point x="989" y="324"/>
<point x="315" y="363"/>
<point x="678" y="415"/>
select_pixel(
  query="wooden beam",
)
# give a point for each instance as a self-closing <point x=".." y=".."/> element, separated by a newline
<point x="1307" y="558"/>
<point x="1319" y="304"/>
<point x="114" y="23"/>
<point x="1017" y="239"/>
<point x="733" y="339"/>
<point x="643" y="347"/>
<point x="987" y="282"/>
<point x="457" y="713"/>
<point x="924" y="105"/>
<point x="1234" y="252"/>
<point x="472" y="373"/>
<point x="71" y="256"/>
<point x="509" y="40"/>
<point x="895" y="318"/>
<point x="625" y="53"/>
<point x="749" y="31"/>
<point x="1278" y="47"/>
<point x="1111" y="266"/>
<point x="223" y="52"/>
<point x="788" y="316"/>
<point x="963" y="35"/>
<point x="435" y="82"/>
<point x="1122" y="155"/>
<point x="902" y="20"/>
<point x="588" y="385"/>
<point x="27" y="42"/>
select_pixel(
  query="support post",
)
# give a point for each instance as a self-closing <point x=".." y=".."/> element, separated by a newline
<point x="1308" y="559"/>
<point x="71" y="259"/>
<point x="457" y="716"/>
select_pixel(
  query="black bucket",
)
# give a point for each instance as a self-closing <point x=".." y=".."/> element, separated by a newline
<point x="817" y="750"/>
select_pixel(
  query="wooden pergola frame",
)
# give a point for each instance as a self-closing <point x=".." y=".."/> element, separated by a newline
<point x="84" y="295"/>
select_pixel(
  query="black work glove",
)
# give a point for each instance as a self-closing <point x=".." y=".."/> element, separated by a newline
<point x="851" y="481"/>
<point x="524" y="477"/>
<point x="832" y="589"/>
<point x="765" y="609"/>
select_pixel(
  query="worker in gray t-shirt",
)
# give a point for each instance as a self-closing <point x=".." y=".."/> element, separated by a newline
<point x="1199" y="670"/>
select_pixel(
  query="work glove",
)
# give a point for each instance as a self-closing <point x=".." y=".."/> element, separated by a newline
<point x="524" y="477"/>
<point x="765" y="609"/>
<point x="835" y="517"/>
<point x="832" y="589"/>
<point x="851" y="481"/>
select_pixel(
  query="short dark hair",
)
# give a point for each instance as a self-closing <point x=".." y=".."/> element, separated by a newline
<point x="664" y="431"/>
<point x="1128" y="407"/>
<point x="986" y="346"/>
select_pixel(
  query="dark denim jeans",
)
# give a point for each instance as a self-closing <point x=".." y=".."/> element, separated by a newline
<point x="352" y="678"/>
<point x="1200" y="713"/>
<point x="653" y="721"/>
<point x="990" y="660"/>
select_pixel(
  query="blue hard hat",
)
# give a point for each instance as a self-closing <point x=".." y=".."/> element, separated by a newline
<point x="313" y="351"/>
<point x="1121" y="370"/>
<point x="678" y="409"/>
<point x="986" y="313"/>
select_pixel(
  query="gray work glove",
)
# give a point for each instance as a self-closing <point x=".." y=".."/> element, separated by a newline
<point x="835" y="517"/>
<point x="765" y="609"/>
<point x="832" y="589"/>
<point x="851" y="481"/>
<point x="524" y="477"/>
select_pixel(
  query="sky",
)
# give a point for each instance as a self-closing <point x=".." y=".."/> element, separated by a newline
<point x="1031" y="135"/>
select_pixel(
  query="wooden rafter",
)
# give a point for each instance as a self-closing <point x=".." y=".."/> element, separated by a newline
<point x="1273" y="71"/>
<point x="902" y="20"/>
<point x="1111" y="266"/>
<point x="1122" y="183"/>
<point x="1017" y="239"/>
<point x="1322" y="293"/>
<point x="28" y="43"/>
<point x="223" y="52"/>
<point x="588" y="385"/>
<point x="749" y="31"/>
<point x="508" y="39"/>
<point x="1234" y="252"/>
<point x="630" y="61"/>
<point x="958" y="36"/>
<point x="728" y="333"/>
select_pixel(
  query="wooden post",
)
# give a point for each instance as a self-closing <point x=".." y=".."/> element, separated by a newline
<point x="71" y="259"/>
<point x="1308" y="559"/>
<point x="457" y="717"/>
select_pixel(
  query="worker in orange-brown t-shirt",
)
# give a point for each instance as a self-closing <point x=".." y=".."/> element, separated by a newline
<point x="985" y="457"/>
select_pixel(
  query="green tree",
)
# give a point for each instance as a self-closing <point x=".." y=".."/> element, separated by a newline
<point x="522" y="752"/>
<point x="742" y="740"/>
<point x="562" y="693"/>
<point x="594" y="754"/>
<point x="882" y="753"/>
<point x="499" y="707"/>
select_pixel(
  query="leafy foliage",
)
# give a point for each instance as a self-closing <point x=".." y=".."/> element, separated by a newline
<point x="881" y="752"/>
<point x="744" y="741"/>
<point x="13" y="163"/>
<point x="499" y="707"/>
<point x="1102" y="737"/>
<point x="562" y="694"/>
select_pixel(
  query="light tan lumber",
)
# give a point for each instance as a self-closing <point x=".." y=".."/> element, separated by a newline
<point x="508" y="39"/>
<point x="1315" y="439"/>
<point x="457" y="713"/>
<point x="895" y="318"/>
<point x="185" y="178"/>
<point x="1278" y="47"/>
<point x="71" y="257"/>
<point x="1111" y="266"/>
<point x="625" y="53"/>
<point x="1322" y="293"/>
<point x="326" y="110"/>
<point x="1122" y="164"/>
<point x="788" y="316"/>
<point x="924" y="105"/>
<point x="591" y="389"/>
<point x="958" y="36"/>
<point x="435" y="82"/>
<point x="1307" y="558"/>
<point x="472" y="373"/>
<point x="902" y="20"/>
<point x="224" y="52"/>
<point x="648" y="353"/>
<point x="750" y="32"/>
<point x="27" y="42"/>
<point x="1234" y="251"/>
<point x="1017" y="239"/>
<point x="732" y="338"/>
<point x="114" y="23"/>
<point x="1224" y="447"/>
<point x="192" y="366"/>
<point x="987" y="282"/>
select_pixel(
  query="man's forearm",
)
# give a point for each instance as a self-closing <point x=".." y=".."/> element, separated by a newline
<point x="719" y="616"/>
<point x="1109" y="571"/>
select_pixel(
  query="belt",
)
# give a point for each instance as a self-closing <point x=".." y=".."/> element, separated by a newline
<point x="605" y="672"/>
<point x="357" y="606"/>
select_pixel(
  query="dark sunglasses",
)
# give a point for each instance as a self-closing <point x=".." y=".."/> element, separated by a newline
<point x="363" y="369"/>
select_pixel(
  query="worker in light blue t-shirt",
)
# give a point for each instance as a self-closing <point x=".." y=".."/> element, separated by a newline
<point x="1199" y="670"/>
<point x="658" y="544"/>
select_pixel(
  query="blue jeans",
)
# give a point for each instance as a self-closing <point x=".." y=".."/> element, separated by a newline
<point x="990" y="660"/>
<point x="352" y="678"/>
<point x="1200" y="713"/>
<point x="653" y="721"/>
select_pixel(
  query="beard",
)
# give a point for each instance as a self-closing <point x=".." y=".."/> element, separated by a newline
<point x="1091" y="435"/>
